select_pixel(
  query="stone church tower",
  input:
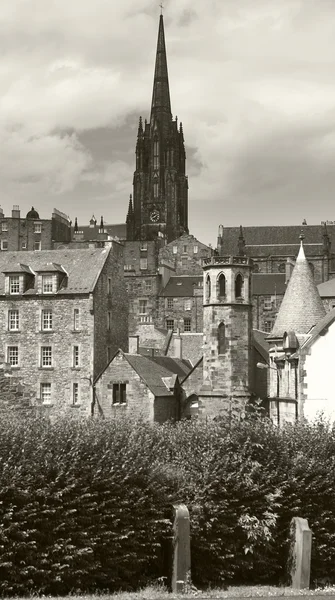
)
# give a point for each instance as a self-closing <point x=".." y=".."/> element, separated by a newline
<point x="159" y="206"/>
<point x="227" y="335"/>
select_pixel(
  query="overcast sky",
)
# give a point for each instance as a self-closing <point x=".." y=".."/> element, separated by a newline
<point x="253" y="82"/>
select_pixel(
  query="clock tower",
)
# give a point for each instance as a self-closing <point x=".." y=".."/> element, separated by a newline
<point x="159" y="206"/>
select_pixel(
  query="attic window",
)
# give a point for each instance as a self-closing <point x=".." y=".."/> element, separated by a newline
<point x="14" y="284"/>
<point x="47" y="284"/>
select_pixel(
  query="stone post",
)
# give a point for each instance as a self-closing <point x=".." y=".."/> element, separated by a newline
<point x="301" y="546"/>
<point x="181" y="559"/>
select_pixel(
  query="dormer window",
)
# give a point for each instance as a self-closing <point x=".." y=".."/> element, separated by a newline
<point x="47" y="284"/>
<point x="14" y="284"/>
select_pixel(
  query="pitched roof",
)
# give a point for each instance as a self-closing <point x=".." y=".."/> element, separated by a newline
<point x="277" y="240"/>
<point x="320" y="328"/>
<point x="118" y="230"/>
<point x="268" y="284"/>
<point x="182" y="286"/>
<point x="179" y="366"/>
<point x="151" y="373"/>
<point x="302" y="306"/>
<point x="82" y="266"/>
<point x="327" y="289"/>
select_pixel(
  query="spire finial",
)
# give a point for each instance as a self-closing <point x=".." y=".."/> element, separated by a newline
<point x="301" y="237"/>
<point x="161" y="7"/>
<point x="75" y="225"/>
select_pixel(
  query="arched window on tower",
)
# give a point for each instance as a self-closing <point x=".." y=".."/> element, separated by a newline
<point x="155" y="189"/>
<point x="208" y="288"/>
<point x="156" y="154"/>
<point x="222" y="285"/>
<point x="239" y="285"/>
<point x="222" y="338"/>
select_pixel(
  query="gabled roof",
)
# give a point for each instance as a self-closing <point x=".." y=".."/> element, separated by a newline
<point x="151" y="373"/>
<point x="82" y="266"/>
<point x="277" y="240"/>
<point x="267" y="284"/>
<point x="302" y="307"/>
<point x="182" y="286"/>
<point x="179" y="366"/>
<point x="327" y="289"/>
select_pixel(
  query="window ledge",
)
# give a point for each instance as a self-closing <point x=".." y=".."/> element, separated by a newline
<point x="15" y="367"/>
<point x="75" y="368"/>
<point x="119" y="404"/>
<point x="47" y="331"/>
<point x="76" y="405"/>
<point x="76" y="330"/>
<point x="14" y="330"/>
<point x="46" y="368"/>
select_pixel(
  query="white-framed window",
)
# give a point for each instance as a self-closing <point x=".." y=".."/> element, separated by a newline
<point x="13" y="320"/>
<point x="13" y="356"/>
<point x="4" y="226"/>
<point x="46" y="321"/>
<point x="188" y="304"/>
<point x="76" y="319"/>
<point x="46" y="356"/>
<point x="109" y="320"/>
<point x="75" y="356"/>
<point x="169" y="303"/>
<point x="4" y="244"/>
<point x="119" y="393"/>
<point x="75" y="393"/>
<point x="37" y="227"/>
<point x="45" y="392"/>
<point x="148" y="286"/>
<point x="170" y="324"/>
<point x="24" y="246"/>
<point x="143" y="306"/>
<point x="128" y="267"/>
<point x="14" y="284"/>
<point x="187" y="324"/>
<point x="109" y="286"/>
<point x="267" y="303"/>
<point x="144" y="246"/>
<point x="268" y="326"/>
<point x="47" y="284"/>
<point x="174" y="249"/>
<point x="37" y="245"/>
<point x="195" y="249"/>
<point x="143" y="264"/>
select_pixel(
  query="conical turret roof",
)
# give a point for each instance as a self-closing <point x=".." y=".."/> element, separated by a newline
<point x="302" y="306"/>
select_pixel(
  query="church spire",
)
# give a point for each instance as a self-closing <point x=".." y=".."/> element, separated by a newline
<point x="160" y="105"/>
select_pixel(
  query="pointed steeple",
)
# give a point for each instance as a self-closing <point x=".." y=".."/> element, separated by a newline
<point x="160" y="105"/>
<point x="302" y="306"/>
<point x="140" y="128"/>
<point x="130" y="209"/>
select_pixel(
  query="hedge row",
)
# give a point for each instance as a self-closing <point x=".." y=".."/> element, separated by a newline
<point x="85" y="506"/>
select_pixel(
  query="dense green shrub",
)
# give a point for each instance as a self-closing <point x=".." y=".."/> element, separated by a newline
<point x="86" y="505"/>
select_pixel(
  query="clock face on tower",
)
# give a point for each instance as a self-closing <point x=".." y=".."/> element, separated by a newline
<point x="154" y="216"/>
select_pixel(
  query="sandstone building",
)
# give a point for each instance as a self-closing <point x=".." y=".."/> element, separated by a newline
<point x="62" y="317"/>
<point x="31" y="232"/>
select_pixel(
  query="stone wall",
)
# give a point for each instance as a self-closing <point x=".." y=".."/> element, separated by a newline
<point x="184" y="308"/>
<point x="263" y="317"/>
<point x="185" y="254"/>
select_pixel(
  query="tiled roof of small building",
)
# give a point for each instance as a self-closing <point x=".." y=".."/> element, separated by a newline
<point x="277" y="240"/>
<point x="151" y="373"/>
<point x="178" y="366"/>
<point x="182" y="286"/>
<point x="268" y="284"/>
<point x="327" y="289"/>
<point x="302" y="306"/>
<point x="82" y="266"/>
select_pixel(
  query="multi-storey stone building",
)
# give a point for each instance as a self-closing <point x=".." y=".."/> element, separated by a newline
<point x="31" y="232"/>
<point x="62" y="317"/>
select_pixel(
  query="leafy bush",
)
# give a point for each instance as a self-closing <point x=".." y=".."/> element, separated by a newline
<point x="85" y="506"/>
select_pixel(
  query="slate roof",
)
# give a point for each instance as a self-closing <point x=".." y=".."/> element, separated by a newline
<point x="151" y="373"/>
<point x="178" y="366"/>
<point x="82" y="266"/>
<point x="261" y="344"/>
<point x="302" y="306"/>
<point x="320" y="328"/>
<point x="277" y="240"/>
<point x="182" y="286"/>
<point x="267" y="284"/>
<point x="327" y="289"/>
<point x="118" y="230"/>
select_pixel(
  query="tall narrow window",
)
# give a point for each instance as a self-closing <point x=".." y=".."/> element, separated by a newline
<point x="156" y="154"/>
<point x="75" y="393"/>
<point x="222" y="285"/>
<point x="13" y="320"/>
<point x="46" y="356"/>
<point x="75" y="356"/>
<point x="119" y="393"/>
<point x="208" y="287"/>
<point x="187" y="325"/>
<point x="47" y="284"/>
<point x="14" y="284"/>
<point x="109" y="320"/>
<point x="76" y="324"/>
<point x="222" y="338"/>
<point x="239" y="286"/>
<point x="45" y="392"/>
<point x="46" y="319"/>
<point x="13" y="356"/>
<point x="156" y="189"/>
<point x="109" y="289"/>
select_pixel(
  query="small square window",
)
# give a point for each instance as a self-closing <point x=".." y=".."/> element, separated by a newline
<point x="187" y="324"/>
<point x="76" y="324"/>
<point x="75" y="393"/>
<point x="4" y="244"/>
<point x="75" y="358"/>
<point x="143" y="264"/>
<point x="47" y="284"/>
<point x="46" y="356"/>
<point x="14" y="284"/>
<point x="45" y="392"/>
<point x="37" y="227"/>
<point x="13" y="356"/>
<point x="4" y="226"/>
<point x="46" y="319"/>
<point x="37" y="245"/>
<point x="170" y="324"/>
<point x="119" y="393"/>
<point x="13" y="320"/>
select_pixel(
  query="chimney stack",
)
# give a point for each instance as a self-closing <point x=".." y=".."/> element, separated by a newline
<point x="134" y="344"/>
<point x="16" y="212"/>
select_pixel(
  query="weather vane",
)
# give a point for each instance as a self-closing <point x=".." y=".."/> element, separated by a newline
<point x="162" y="6"/>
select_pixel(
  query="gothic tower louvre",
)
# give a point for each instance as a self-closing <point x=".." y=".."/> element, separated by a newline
<point x="159" y="206"/>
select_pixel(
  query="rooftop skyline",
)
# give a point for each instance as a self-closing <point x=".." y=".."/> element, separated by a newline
<point x="252" y="83"/>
